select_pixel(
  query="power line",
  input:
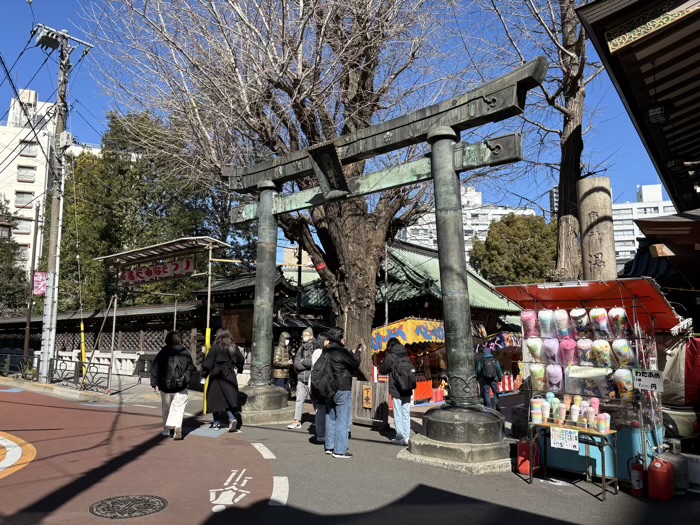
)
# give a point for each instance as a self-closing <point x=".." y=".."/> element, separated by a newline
<point x="26" y="46"/>
<point x="24" y="110"/>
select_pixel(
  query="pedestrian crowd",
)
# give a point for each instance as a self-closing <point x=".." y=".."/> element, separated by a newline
<point x="322" y="369"/>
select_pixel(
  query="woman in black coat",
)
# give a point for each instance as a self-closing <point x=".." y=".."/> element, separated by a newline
<point x="221" y="364"/>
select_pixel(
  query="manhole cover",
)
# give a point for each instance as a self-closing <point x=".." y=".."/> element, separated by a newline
<point x="122" y="507"/>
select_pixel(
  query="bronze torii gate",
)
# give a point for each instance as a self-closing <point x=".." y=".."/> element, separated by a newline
<point x="468" y="422"/>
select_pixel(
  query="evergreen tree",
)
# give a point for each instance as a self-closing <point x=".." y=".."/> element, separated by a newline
<point x="518" y="249"/>
<point x="13" y="277"/>
<point x="118" y="201"/>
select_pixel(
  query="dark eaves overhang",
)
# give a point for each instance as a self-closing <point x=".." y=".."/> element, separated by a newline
<point x="651" y="50"/>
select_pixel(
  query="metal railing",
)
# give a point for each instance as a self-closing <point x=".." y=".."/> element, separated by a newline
<point x="16" y="365"/>
<point x="80" y="374"/>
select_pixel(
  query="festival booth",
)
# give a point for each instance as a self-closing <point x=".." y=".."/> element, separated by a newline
<point x="421" y="337"/>
<point x="424" y="340"/>
<point x="590" y="351"/>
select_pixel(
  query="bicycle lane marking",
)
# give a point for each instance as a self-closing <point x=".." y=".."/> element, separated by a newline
<point x="17" y="454"/>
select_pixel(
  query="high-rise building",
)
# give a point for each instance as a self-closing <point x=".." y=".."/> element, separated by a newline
<point x="25" y="142"/>
<point x="554" y="201"/>
<point x="476" y="217"/>
<point x="649" y="204"/>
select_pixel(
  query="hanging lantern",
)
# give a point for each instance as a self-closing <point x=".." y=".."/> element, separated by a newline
<point x="659" y="113"/>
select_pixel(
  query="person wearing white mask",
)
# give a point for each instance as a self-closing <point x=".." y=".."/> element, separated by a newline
<point x="281" y="362"/>
<point x="302" y="365"/>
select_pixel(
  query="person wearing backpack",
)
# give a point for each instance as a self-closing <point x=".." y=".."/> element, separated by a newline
<point x="488" y="374"/>
<point x="221" y="365"/>
<point x="342" y="365"/>
<point x="170" y="373"/>
<point x="402" y="381"/>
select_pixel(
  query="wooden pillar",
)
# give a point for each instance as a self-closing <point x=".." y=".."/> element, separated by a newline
<point x="142" y="337"/>
<point x="597" y="236"/>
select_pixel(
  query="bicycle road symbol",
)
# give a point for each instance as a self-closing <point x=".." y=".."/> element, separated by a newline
<point x="231" y="493"/>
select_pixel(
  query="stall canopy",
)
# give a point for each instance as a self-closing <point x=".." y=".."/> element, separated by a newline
<point x="642" y="297"/>
<point x="408" y="331"/>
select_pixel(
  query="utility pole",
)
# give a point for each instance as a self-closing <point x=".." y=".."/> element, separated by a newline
<point x="50" y="38"/>
<point x="30" y="284"/>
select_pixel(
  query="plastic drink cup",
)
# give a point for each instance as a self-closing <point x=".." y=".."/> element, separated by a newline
<point x="545" y="411"/>
<point x="595" y="404"/>
<point x="578" y="400"/>
<point x="601" y="422"/>
<point x="536" y="416"/>
<point x="536" y="403"/>
<point x="575" y="409"/>
<point x="591" y="417"/>
<point x="562" y="414"/>
<point x="567" y="401"/>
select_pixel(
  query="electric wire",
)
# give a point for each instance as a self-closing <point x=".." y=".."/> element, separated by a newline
<point x="26" y="46"/>
<point x="26" y="113"/>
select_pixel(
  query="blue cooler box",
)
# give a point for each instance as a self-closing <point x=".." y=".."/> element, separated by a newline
<point x="629" y="445"/>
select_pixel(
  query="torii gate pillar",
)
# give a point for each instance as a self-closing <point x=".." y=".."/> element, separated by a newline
<point x="463" y="434"/>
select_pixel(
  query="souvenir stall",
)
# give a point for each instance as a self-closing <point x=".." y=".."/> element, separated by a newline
<point x="590" y="351"/>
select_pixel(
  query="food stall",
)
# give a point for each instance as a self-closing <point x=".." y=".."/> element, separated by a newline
<point x="424" y="340"/>
<point x="590" y="351"/>
<point x="421" y="337"/>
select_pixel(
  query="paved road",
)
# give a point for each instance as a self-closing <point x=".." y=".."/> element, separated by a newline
<point x="86" y="453"/>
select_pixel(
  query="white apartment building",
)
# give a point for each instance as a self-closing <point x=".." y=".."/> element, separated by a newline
<point x="476" y="216"/>
<point x="24" y="168"/>
<point x="649" y="204"/>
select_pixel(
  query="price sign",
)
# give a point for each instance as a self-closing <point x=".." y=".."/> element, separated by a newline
<point x="565" y="438"/>
<point x="648" y="379"/>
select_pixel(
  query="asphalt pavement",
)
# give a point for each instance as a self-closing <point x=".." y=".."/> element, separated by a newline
<point x="88" y="452"/>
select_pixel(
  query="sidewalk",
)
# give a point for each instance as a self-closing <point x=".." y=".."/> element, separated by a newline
<point x="125" y="389"/>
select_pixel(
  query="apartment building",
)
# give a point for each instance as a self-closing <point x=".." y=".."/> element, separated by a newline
<point x="649" y="204"/>
<point x="477" y="217"/>
<point x="25" y="142"/>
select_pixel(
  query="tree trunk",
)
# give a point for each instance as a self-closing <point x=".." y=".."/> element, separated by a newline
<point x="354" y="290"/>
<point x="568" y="247"/>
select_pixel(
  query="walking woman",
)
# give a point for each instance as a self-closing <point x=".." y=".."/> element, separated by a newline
<point x="223" y="361"/>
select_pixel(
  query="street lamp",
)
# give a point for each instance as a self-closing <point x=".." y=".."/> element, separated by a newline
<point x="5" y="230"/>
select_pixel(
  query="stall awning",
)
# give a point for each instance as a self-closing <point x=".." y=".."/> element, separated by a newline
<point x="165" y="250"/>
<point x="641" y="297"/>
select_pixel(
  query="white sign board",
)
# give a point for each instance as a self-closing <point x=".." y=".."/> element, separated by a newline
<point x="648" y="379"/>
<point x="565" y="438"/>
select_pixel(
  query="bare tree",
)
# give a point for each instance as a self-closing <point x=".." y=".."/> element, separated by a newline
<point x="506" y="33"/>
<point x="242" y="80"/>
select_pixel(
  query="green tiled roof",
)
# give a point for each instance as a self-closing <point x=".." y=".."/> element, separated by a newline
<point x="414" y="266"/>
<point x="415" y="272"/>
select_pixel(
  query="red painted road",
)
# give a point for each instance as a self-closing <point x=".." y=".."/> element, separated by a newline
<point x="86" y="454"/>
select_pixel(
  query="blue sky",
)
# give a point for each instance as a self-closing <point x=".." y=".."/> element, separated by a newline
<point x="613" y="135"/>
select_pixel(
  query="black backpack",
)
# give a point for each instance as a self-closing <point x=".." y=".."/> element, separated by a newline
<point x="404" y="375"/>
<point x="323" y="382"/>
<point x="490" y="368"/>
<point x="175" y="379"/>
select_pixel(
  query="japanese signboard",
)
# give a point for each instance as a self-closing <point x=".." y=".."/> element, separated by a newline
<point x="648" y="379"/>
<point x="158" y="272"/>
<point x="39" y="284"/>
<point x="565" y="438"/>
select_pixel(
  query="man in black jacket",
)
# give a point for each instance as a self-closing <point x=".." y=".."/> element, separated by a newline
<point x="170" y="373"/>
<point x="344" y="366"/>
<point x="400" y="399"/>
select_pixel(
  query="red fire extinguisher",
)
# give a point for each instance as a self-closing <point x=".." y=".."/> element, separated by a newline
<point x="524" y="456"/>
<point x="637" y="475"/>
